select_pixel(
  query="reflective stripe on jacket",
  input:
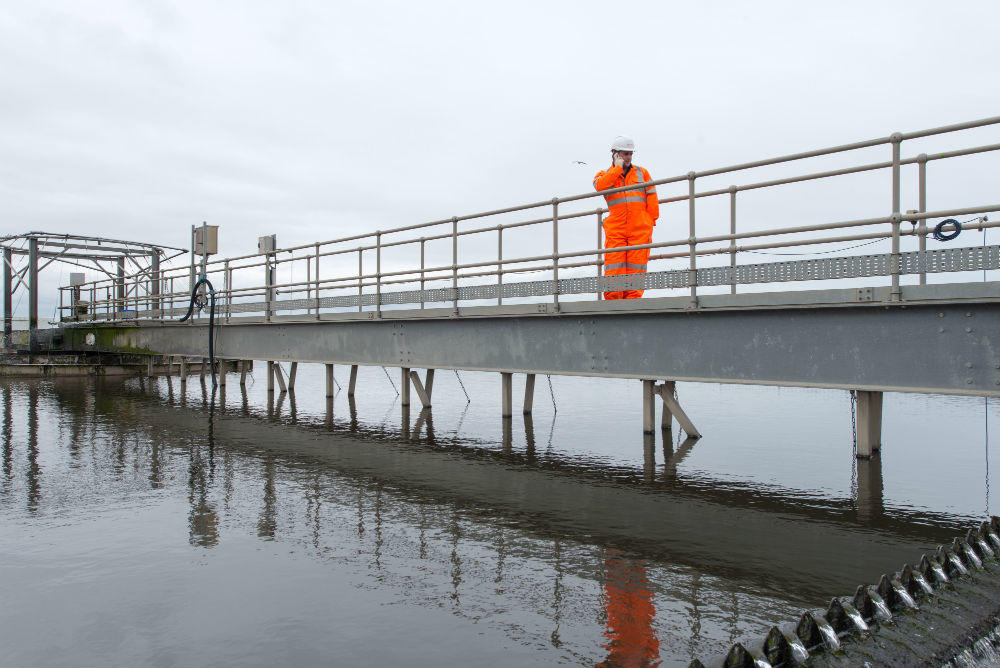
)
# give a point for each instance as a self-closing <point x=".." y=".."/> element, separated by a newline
<point x="630" y="210"/>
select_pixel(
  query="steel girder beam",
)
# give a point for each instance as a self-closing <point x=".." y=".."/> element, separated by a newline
<point x="952" y="349"/>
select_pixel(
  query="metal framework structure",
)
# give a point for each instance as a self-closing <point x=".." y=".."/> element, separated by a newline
<point x="43" y="248"/>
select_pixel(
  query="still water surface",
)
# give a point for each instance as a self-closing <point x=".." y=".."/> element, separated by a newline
<point x="143" y="525"/>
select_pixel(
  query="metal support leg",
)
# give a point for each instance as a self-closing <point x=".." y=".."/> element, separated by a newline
<point x="671" y="404"/>
<point x="329" y="380"/>
<point x="529" y="393"/>
<point x="201" y="369"/>
<point x="223" y="367"/>
<point x="279" y="375"/>
<point x="648" y="407"/>
<point x="149" y="366"/>
<point x="506" y="392"/>
<point x="404" y="390"/>
<point x="666" y="421"/>
<point x="354" y="380"/>
<point x="184" y="371"/>
<point x="243" y="373"/>
<point x="270" y="377"/>
<point x="291" y="376"/>
<point x="869" y="423"/>
<point x="423" y="389"/>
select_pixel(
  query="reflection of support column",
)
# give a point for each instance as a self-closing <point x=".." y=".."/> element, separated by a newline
<point x="8" y="292"/>
<point x="267" y="523"/>
<point x="529" y="437"/>
<point x="506" y="390"/>
<point x="529" y="392"/>
<point x="869" y="424"/>
<point x="508" y="438"/>
<point x="648" y="458"/>
<point x="353" y="407"/>
<point x="425" y="417"/>
<point x="34" y="489"/>
<point x="870" y="505"/>
<point x="405" y="422"/>
<point x="354" y="380"/>
<point x="7" y="434"/>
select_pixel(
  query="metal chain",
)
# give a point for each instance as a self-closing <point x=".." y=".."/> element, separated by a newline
<point x="462" y="385"/>
<point x="854" y="452"/>
<point x="555" y="409"/>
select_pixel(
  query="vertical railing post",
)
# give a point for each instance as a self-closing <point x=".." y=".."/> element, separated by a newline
<point x="316" y="292"/>
<point x="154" y="283"/>
<point x="454" y="263"/>
<point x="600" y="256"/>
<point x="360" y="273"/>
<point x="922" y="225"/>
<point x="120" y="286"/>
<point x="308" y="285"/>
<point x="32" y="294"/>
<point x="268" y="284"/>
<point x="8" y="292"/>
<point x="692" y="244"/>
<point x="422" y="265"/>
<point x="895" y="292"/>
<point x="499" y="265"/>
<point x="555" y="253"/>
<point x="378" y="273"/>
<point x="732" y="242"/>
<point x="227" y="282"/>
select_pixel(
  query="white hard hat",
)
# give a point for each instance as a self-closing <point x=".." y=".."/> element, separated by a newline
<point x="623" y="143"/>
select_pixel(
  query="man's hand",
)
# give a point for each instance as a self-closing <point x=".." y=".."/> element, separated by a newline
<point x="619" y="161"/>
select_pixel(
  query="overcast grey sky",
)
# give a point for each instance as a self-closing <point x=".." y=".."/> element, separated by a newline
<point x="321" y="119"/>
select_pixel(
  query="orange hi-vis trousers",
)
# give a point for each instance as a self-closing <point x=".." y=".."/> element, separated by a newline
<point x="626" y="262"/>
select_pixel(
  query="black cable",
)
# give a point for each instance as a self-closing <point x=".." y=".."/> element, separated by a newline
<point x="211" y="320"/>
<point x="939" y="233"/>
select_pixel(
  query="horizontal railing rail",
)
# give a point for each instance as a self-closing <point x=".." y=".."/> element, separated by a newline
<point x="352" y="272"/>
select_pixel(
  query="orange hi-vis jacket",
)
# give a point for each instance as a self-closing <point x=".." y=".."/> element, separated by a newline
<point x="630" y="211"/>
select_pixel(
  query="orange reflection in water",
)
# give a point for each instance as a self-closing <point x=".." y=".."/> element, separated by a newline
<point x="629" y="602"/>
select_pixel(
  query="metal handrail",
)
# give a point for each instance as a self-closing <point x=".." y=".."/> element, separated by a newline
<point x="135" y="293"/>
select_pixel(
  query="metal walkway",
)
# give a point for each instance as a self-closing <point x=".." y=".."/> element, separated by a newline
<point x="406" y="297"/>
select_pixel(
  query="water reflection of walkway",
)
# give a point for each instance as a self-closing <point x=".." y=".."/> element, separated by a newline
<point x="468" y="506"/>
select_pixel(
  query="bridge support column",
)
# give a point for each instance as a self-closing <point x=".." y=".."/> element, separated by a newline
<point x="149" y="366"/>
<point x="424" y="389"/>
<point x="404" y="390"/>
<point x="529" y="392"/>
<point x="354" y="380"/>
<point x="648" y="406"/>
<point x="666" y="391"/>
<point x="292" y="372"/>
<point x="222" y="372"/>
<point x="243" y="373"/>
<point x="279" y="376"/>
<point x="869" y="422"/>
<point x="270" y="377"/>
<point x="329" y="381"/>
<point x="184" y="371"/>
<point x="506" y="391"/>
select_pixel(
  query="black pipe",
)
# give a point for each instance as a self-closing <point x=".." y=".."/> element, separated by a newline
<point x="211" y="320"/>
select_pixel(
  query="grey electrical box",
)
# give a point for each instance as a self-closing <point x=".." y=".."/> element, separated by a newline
<point x="77" y="278"/>
<point x="267" y="244"/>
<point x="212" y="233"/>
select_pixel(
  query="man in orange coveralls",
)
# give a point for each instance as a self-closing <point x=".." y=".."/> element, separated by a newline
<point x="631" y="215"/>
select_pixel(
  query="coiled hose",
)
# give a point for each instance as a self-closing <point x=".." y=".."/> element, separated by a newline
<point x="211" y="319"/>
